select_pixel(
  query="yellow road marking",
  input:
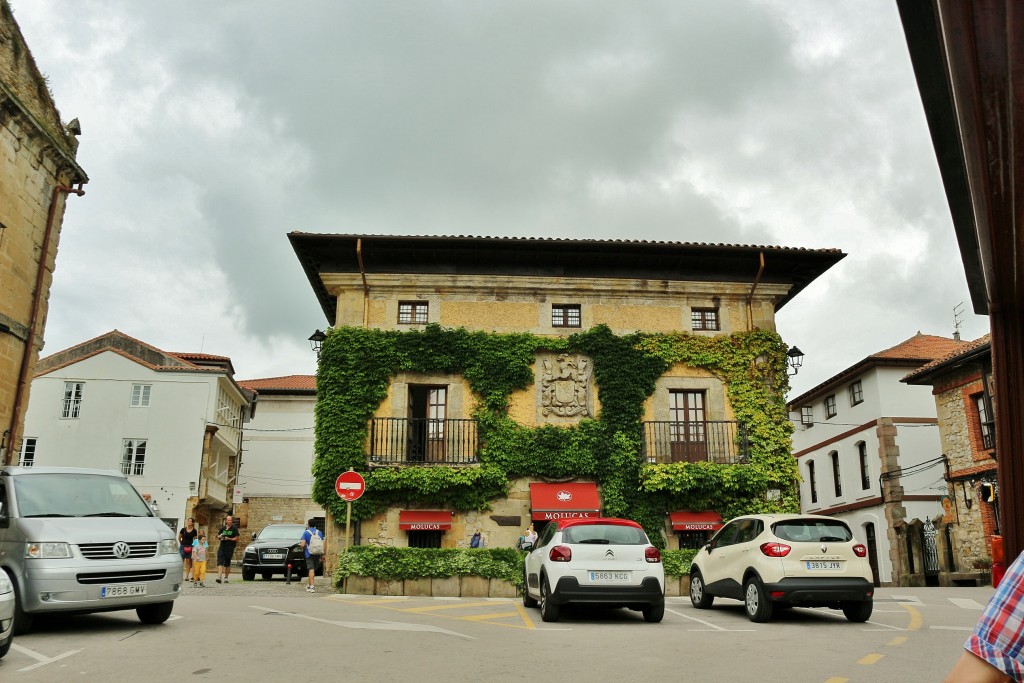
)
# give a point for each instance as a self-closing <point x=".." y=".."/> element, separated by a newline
<point x="915" y="617"/>
<point x="837" y="680"/>
<point x="493" y="615"/>
<point x="896" y="642"/>
<point x="526" y="617"/>
<point x="435" y="608"/>
<point x="870" y="659"/>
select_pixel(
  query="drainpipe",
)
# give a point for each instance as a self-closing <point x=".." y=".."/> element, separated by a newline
<point x="366" y="287"/>
<point x="750" y="296"/>
<point x="37" y="303"/>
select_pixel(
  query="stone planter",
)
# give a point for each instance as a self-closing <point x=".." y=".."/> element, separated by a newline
<point x="358" y="585"/>
<point x="502" y="589"/>
<point x="448" y="587"/>
<point x="475" y="587"/>
<point x="418" y="587"/>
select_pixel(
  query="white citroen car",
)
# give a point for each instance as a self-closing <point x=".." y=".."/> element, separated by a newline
<point x="598" y="561"/>
<point x="784" y="560"/>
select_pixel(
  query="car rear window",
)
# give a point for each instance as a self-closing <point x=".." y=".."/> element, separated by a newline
<point x="812" y="530"/>
<point x="610" y="534"/>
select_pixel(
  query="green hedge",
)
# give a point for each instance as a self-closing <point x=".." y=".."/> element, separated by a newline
<point x="389" y="563"/>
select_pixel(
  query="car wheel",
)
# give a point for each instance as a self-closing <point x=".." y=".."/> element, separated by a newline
<point x="527" y="600"/>
<point x="699" y="596"/>
<point x="6" y="646"/>
<point x="548" y="610"/>
<point x="248" y="574"/>
<point x="858" y="612"/>
<point x="155" y="614"/>
<point x="756" y="602"/>
<point x="267" y="576"/>
<point x="654" y="613"/>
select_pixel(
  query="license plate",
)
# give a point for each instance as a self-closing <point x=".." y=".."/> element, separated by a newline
<point x="609" y="576"/>
<point x="273" y="556"/>
<point x="811" y="566"/>
<point x="123" y="591"/>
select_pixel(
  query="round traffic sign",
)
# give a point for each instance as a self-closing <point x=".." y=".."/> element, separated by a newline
<point x="350" y="485"/>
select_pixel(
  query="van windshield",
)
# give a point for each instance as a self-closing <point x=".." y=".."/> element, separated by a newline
<point x="77" y="495"/>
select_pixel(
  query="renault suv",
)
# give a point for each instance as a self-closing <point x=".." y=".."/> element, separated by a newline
<point x="597" y="561"/>
<point x="770" y="561"/>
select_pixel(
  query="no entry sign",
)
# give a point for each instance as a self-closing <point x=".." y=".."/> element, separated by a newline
<point x="350" y="485"/>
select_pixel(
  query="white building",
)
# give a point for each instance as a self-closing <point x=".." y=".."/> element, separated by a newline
<point x="276" y="473"/>
<point x="869" y="451"/>
<point x="171" y="421"/>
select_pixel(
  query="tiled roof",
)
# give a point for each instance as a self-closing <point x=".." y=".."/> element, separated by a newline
<point x="979" y="343"/>
<point x="286" y="383"/>
<point x="198" y="356"/>
<point x="914" y="352"/>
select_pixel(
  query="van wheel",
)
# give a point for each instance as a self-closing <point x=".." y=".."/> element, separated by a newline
<point x="22" y="620"/>
<point x="155" y="614"/>
<point x="6" y="646"/>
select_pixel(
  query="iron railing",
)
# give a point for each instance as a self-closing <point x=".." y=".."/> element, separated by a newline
<point x="423" y="441"/>
<point x="719" y="441"/>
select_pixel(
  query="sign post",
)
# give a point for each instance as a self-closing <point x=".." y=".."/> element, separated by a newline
<point x="349" y="486"/>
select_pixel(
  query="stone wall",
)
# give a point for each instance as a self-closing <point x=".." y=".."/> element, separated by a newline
<point x="36" y="154"/>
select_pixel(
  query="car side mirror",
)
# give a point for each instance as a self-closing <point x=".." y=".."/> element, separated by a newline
<point x="709" y="546"/>
<point x="254" y="535"/>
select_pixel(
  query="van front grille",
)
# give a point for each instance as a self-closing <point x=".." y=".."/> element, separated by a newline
<point x="122" y="577"/>
<point x="106" y="551"/>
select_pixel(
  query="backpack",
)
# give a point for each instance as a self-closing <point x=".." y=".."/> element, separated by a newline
<point x="477" y="541"/>
<point x="316" y="543"/>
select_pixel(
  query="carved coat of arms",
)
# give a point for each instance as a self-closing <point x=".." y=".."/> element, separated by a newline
<point x="565" y="386"/>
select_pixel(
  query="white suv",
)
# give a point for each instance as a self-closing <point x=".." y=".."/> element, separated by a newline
<point x="597" y="561"/>
<point x="784" y="560"/>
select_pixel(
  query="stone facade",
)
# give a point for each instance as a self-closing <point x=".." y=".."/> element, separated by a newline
<point x="37" y="159"/>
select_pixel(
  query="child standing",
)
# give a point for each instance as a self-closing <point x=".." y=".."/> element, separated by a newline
<point x="199" y="547"/>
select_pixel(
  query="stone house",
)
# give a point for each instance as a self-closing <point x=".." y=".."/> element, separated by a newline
<point x="426" y="416"/>
<point x="961" y="383"/>
<point x="37" y="172"/>
<point x="869" y="452"/>
<point x="172" y="422"/>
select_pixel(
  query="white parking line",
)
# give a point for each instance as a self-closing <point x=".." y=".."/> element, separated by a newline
<point x="708" y="624"/>
<point x="966" y="603"/>
<point x="912" y="599"/>
<point x="379" y="625"/>
<point x="951" y="628"/>
<point x="41" y="660"/>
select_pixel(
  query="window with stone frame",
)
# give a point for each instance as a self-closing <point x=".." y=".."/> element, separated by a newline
<point x="566" y="315"/>
<point x="412" y="312"/>
<point x="704" y="319"/>
<point x="986" y="424"/>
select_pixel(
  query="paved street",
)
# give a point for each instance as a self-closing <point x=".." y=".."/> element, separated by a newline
<point x="271" y="631"/>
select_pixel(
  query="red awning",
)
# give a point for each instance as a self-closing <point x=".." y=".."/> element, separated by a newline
<point x="424" y="520"/>
<point x="564" y="501"/>
<point x="696" y="521"/>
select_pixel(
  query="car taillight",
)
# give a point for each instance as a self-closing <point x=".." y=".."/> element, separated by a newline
<point x="560" y="553"/>
<point x="652" y="554"/>
<point x="775" y="549"/>
<point x="859" y="550"/>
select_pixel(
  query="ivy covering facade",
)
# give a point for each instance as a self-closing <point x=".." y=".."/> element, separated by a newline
<point x="357" y="366"/>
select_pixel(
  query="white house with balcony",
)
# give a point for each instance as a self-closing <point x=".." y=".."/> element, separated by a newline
<point x="869" y="451"/>
<point x="172" y="422"/>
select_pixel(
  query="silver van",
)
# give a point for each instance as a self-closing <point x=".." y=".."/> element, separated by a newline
<point x="83" y="540"/>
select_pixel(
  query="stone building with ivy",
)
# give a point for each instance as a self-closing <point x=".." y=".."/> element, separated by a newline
<point x="485" y="384"/>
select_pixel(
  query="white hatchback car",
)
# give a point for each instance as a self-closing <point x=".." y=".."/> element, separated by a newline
<point x="784" y="560"/>
<point x="597" y="561"/>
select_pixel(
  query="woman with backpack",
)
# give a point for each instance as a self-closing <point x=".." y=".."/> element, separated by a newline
<point x="313" y="545"/>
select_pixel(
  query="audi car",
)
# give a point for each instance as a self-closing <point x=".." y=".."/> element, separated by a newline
<point x="276" y="549"/>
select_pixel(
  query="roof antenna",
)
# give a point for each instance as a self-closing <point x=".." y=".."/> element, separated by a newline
<point x="958" y="315"/>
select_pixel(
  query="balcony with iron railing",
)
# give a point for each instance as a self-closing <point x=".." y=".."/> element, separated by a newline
<point x="722" y="441"/>
<point x="423" y="441"/>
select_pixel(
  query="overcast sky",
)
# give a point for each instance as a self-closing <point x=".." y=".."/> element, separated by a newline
<point x="210" y="130"/>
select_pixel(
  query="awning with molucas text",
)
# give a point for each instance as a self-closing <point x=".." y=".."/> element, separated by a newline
<point x="564" y="501"/>
<point x="695" y="521"/>
<point x="425" y="520"/>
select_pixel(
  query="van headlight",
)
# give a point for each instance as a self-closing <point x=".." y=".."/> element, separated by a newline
<point x="5" y="583"/>
<point x="168" y="546"/>
<point x="48" y="551"/>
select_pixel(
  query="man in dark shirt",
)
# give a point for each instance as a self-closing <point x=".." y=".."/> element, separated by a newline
<point x="228" y="536"/>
